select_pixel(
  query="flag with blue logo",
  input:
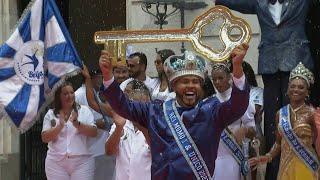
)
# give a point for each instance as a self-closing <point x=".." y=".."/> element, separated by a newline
<point x="36" y="57"/>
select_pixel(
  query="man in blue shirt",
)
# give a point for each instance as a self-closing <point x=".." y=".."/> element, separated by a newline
<point x="185" y="131"/>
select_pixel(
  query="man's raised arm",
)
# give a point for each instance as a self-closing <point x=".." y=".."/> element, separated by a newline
<point x="237" y="105"/>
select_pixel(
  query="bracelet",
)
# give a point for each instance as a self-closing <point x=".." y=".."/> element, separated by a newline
<point x="269" y="156"/>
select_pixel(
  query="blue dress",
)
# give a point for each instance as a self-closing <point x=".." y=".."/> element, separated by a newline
<point x="204" y="123"/>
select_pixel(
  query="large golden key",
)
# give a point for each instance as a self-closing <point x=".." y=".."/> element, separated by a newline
<point x="116" y="41"/>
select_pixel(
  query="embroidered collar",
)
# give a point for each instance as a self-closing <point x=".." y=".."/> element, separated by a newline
<point x="224" y="96"/>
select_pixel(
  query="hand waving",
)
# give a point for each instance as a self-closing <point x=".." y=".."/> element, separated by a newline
<point x="105" y="63"/>
<point x="238" y="54"/>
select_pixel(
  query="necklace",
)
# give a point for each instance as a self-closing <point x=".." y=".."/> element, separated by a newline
<point x="66" y="114"/>
<point x="294" y="112"/>
<point x="298" y="108"/>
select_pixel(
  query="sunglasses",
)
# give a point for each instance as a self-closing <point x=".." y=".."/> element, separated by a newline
<point x="131" y="65"/>
<point x="95" y="72"/>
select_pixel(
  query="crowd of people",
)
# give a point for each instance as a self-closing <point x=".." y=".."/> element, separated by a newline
<point x="189" y="123"/>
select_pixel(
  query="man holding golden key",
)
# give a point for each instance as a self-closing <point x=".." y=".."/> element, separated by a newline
<point x="184" y="131"/>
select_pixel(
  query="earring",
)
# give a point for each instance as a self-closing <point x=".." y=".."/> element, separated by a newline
<point x="307" y="99"/>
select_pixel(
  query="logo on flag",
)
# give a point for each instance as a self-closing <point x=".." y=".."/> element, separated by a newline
<point x="37" y="56"/>
<point x="29" y="63"/>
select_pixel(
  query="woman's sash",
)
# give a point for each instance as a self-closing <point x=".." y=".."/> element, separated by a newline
<point x="301" y="151"/>
<point x="186" y="145"/>
<point x="232" y="145"/>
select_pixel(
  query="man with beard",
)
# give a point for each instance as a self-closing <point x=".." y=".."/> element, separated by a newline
<point x="137" y="65"/>
<point x="120" y="72"/>
<point x="184" y="131"/>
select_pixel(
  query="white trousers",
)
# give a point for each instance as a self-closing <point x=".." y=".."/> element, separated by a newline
<point x="227" y="168"/>
<point x="72" y="168"/>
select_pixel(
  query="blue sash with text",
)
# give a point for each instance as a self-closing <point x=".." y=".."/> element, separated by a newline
<point x="302" y="152"/>
<point x="186" y="145"/>
<point x="236" y="151"/>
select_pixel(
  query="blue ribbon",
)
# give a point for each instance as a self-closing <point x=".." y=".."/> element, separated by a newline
<point x="306" y="156"/>
<point x="236" y="151"/>
<point x="186" y="145"/>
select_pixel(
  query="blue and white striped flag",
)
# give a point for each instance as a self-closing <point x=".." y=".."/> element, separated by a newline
<point x="37" y="56"/>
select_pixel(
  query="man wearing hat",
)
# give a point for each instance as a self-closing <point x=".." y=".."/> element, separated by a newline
<point x="185" y="131"/>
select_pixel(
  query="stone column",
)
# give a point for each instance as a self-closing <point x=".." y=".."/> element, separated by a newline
<point x="8" y="19"/>
<point x="9" y="136"/>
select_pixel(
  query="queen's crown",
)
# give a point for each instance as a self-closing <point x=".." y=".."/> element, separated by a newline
<point x="301" y="71"/>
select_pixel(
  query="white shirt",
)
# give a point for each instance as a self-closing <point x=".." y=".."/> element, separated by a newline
<point x="133" y="161"/>
<point x="96" y="144"/>
<point x="247" y="120"/>
<point x="161" y="95"/>
<point x="275" y="10"/>
<point x="81" y="98"/>
<point x="69" y="141"/>
<point x="151" y="83"/>
<point x="256" y="95"/>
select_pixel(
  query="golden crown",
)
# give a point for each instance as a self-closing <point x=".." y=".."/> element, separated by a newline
<point x="187" y="63"/>
<point x="301" y="71"/>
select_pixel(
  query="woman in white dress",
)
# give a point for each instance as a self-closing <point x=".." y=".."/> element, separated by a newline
<point x="67" y="128"/>
<point x="227" y="167"/>
<point x="162" y="91"/>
